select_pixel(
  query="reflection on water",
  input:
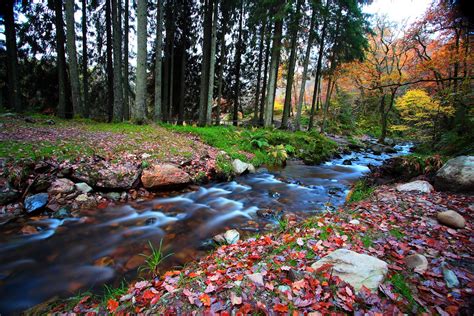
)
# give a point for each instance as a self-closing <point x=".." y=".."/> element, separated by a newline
<point x="103" y="245"/>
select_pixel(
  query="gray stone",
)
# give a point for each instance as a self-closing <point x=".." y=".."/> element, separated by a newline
<point x="452" y="219"/>
<point x="231" y="236"/>
<point x="354" y="268"/>
<point x="114" y="196"/>
<point x="450" y="278"/>
<point x="354" y="222"/>
<point x="219" y="239"/>
<point x="82" y="198"/>
<point x="456" y="175"/>
<point x="417" y="262"/>
<point x="8" y="195"/>
<point x="61" y="185"/>
<point x="256" y="278"/>
<point x="36" y="202"/>
<point x="63" y="212"/>
<point x="418" y="185"/>
<point x="83" y="187"/>
<point x="239" y="167"/>
<point x="106" y="175"/>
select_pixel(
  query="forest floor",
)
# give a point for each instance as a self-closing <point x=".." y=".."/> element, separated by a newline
<point x="272" y="273"/>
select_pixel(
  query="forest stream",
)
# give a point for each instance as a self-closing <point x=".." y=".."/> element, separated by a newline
<point x="104" y="246"/>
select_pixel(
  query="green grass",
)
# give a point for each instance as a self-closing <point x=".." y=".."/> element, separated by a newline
<point x="367" y="241"/>
<point x="360" y="191"/>
<point x="401" y="287"/>
<point x="153" y="260"/>
<point x="111" y="292"/>
<point x="266" y="146"/>
<point x="396" y="233"/>
<point x="17" y="150"/>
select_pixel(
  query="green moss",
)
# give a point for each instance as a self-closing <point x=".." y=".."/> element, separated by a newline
<point x="396" y="233"/>
<point x="367" y="241"/>
<point x="360" y="191"/>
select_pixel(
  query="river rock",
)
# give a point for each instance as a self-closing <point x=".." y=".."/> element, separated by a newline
<point x="8" y="195"/>
<point x="267" y="213"/>
<point x="377" y="149"/>
<point x="256" y="278"/>
<point x="231" y="236"/>
<point x="347" y="162"/>
<point x="356" y="269"/>
<point x="36" y="202"/>
<point x="418" y="185"/>
<point x="105" y="175"/>
<point x="61" y="185"/>
<point x="354" y="222"/>
<point x="452" y="219"/>
<point x="450" y="278"/>
<point x="220" y="239"/>
<point x="164" y="175"/>
<point x="239" y="167"/>
<point x="417" y="262"/>
<point x="83" y="187"/>
<point x="456" y="175"/>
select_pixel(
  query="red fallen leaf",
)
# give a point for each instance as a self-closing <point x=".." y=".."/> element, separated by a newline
<point x="112" y="305"/>
<point x="324" y="267"/>
<point x="268" y="240"/>
<point x="103" y="205"/>
<point x="205" y="299"/>
<point x="193" y="275"/>
<point x="280" y="308"/>
<point x="349" y="291"/>
<point x="148" y="294"/>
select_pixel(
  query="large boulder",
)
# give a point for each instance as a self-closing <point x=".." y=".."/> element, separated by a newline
<point x="452" y="219"/>
<point x="457" y="174"/>
<point x="239" y="167"/>
<point x="164" y="175"/>
<point x="418" y="185"/>
<point x="356" y="269"/>
<point x="231" y="236"/>
<point x="108" y="176"/>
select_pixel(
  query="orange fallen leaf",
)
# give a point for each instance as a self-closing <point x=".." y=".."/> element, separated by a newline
<point x="112" y="305"/>
<point x="205" y="299"/>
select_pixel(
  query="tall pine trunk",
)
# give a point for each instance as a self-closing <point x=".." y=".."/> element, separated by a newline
<point x="158" y="54"/>
<point x="109" y="66"/>
<point x="265" y="73"/>
<point x="85" y="75"/>
<point x="182" y="81"/>
<point x="221" y="65"/>
<point x="318" y="74"/>
<point x="126" y="94"/>
<point x="61" y="60"/>
<point x="140" y="98"/>
<point x="212" y="64"/>
<point x="72" y="58"/>
<point x="12" y="59"/>
<point x="206" y="47"/>
<point x="238" y="62"/>
<point x="259" y="72"/>
<point x="272" y="76"/>
<point x="117" y="45"/>
<point x="305" y="71"/>
<point x="291" y="67"/>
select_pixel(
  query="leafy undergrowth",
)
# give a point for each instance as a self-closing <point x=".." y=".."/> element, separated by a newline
<point x="273" y="274"/>
<point x="264" y="146"/>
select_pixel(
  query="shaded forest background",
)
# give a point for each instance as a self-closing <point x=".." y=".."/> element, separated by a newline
<point x="318" y="64"/>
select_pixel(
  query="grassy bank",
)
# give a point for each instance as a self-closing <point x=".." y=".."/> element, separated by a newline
<point x="263" y="146"/>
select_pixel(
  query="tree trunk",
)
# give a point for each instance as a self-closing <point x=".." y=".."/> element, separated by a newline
<point x="330" y="86"/>
<point x="158" y="54"/>
<point x="110" y="72"/>
<point x="206" y="47"/>
<point x="61" y="60"/>
<point x="221" y="66"/>
<point x="210" y="92"/>
<point x="272" y="76"/>
<point x="305" y="71"/>
<point x="238" y="63"/>
<point x="265" y="73"/>
<point x="291" y="67"/>
<point x="182" y="81"/>
<point x="12" y="59"/>
<point x="126" y="84"/>
<point x="72" y="58"/>
<point x="118" y="89"/>
<point x="318" y="74"/>
<point x="85" y="75"/>
<point x="259" y="72"/>
<point x="140" y="102"/>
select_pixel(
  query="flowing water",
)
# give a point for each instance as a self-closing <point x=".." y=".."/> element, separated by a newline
<point x="99" y="246"/>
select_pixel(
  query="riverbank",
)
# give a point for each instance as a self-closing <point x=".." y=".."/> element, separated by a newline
<point x="427" y="265"/>
<point x="60" y="166"/>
